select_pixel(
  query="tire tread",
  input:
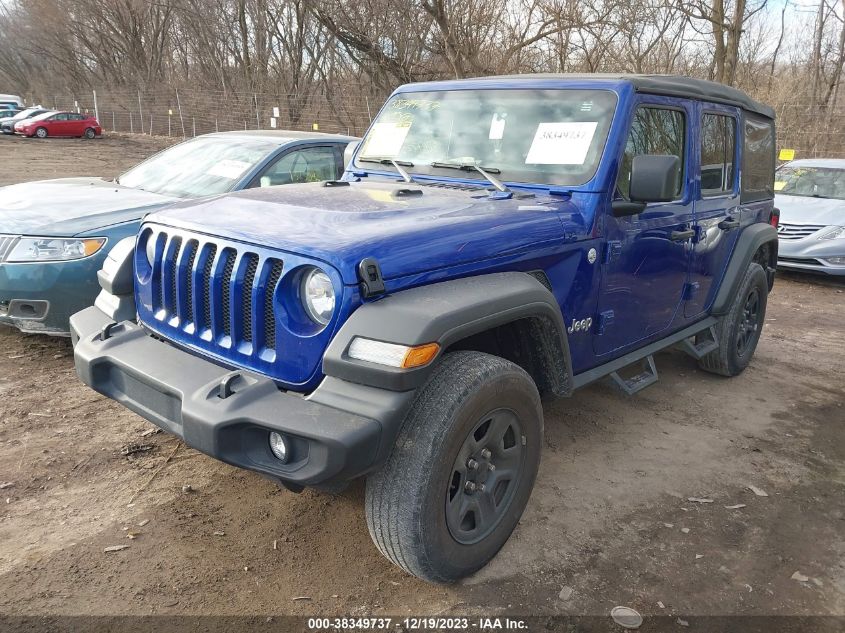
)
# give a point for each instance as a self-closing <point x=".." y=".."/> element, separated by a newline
<point x="393" y="519"/>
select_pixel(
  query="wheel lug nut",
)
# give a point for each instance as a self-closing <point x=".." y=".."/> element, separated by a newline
<point x="472" y="464"/>
<point x="481" y="488"/>
<point x="485" y="453"/>
<point x="470" y="487"/>
<point x="491" y="467"/>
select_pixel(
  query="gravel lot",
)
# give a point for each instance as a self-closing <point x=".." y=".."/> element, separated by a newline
<point x="609" y="522"/>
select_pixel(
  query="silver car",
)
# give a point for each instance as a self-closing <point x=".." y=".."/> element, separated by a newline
<point x="811" y="197"/>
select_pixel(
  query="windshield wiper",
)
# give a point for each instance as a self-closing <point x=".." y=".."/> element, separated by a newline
<point x="397" y="164"/>
<point x="484" y="171"/>
<point x="386" y="160"/>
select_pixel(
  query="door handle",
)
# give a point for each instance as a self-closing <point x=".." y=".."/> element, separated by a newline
<point x="680" y="236"/>
<point x="728" y="223"/>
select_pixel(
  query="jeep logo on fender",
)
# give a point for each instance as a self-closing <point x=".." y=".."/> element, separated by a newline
<point x="580" y="326"/>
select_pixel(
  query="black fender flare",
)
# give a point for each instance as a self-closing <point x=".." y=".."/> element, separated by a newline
<point x="445" y="313"/>
<point x="752" y="238"/>
<point x="117" y="280"/>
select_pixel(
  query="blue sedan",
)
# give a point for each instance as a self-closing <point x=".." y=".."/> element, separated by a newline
<point x="55" y="234"/>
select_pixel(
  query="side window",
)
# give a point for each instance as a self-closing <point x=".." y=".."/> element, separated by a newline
<point x="309" y="164"/>
<point x="718" y="148"/>
<point x="758" y="158"/>
<point x="656" y="131"/>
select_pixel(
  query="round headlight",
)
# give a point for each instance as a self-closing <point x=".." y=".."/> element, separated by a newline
<point x="151" y="249"/>
<point x="318" y="296"/>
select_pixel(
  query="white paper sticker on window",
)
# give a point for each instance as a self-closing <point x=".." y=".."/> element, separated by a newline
<point x="561" y="143"/>
<point x="229" y="169"/>
<point x="386" y="139"/>
<point x="497" y="127"/>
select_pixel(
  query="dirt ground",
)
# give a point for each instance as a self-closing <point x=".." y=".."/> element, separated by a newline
<point x="609" y="522"/>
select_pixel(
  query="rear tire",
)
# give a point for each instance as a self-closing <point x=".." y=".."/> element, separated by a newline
<point x="437" y="509"/>
<point x="738" y="332"/>
<point x="41" y="132"/>
<point x="89" y="133"/>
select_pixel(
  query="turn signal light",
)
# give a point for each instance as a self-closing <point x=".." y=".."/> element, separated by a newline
<point x="420" y="355"/>
<point x="391" y="354"/>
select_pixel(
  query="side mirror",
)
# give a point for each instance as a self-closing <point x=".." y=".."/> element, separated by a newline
<point x="654" y="178"/>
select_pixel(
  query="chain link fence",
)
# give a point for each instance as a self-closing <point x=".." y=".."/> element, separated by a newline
<point x="184" y="113"/>
<point x="181" y="113"/>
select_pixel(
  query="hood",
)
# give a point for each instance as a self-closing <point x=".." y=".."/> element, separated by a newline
<point x="407" y="234"/>
<point x="69" y="206"/>
<point x="810" y="210"/>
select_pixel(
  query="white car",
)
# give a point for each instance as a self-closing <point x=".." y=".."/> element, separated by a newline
<point x="810" y="194"/>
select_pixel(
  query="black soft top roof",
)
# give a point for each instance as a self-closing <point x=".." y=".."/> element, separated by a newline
<point x="668" y="85"/>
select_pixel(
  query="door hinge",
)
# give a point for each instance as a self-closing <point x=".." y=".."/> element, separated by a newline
<point x="612" y="250"/>
<point x="690" y="290"/>
<point x="604" y="321"/>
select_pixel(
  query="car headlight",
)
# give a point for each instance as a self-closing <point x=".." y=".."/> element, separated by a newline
<point x="54" y="249"/>
<point x="837" y="233"/>
<point x="318" y="296"/>
<point x="150" y="250"/>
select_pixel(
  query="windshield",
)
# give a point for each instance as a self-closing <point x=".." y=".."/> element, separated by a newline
<point x="44" y="115"/>
<point x="25" y="114"/>
<point x="204" y="166"/>
<point x="815" y="182"/>
<point x="531" y="136"/>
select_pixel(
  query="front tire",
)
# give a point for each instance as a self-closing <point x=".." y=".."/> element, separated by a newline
<point x="738" y="332"/>
<point x="41" y="132"/>
<point x="461" y="471"/>
<point x="89" y="133"/>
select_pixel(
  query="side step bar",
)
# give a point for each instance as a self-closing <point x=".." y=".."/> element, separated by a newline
<point x="701" y="344"/>
<point x="649" y="373"/>
<point x="639" y="382"/>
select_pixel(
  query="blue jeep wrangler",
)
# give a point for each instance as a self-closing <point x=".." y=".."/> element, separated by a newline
<point x="493" y="241"/>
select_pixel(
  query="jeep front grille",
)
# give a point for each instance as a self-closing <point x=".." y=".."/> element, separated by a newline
<point x="214" y="294"/>
<point x="797" y="231"/>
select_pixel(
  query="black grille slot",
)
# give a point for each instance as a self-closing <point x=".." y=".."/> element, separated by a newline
<point x="246" y="295"/>
<point x="206" y="285"/>
<point x="173" y="273"/>
<point x="540" y="276"/>
<point x="228" y="267"/>
<point x="269" y="312"/>
<point x="160" y="293"/>
<point x="193" y="246"/>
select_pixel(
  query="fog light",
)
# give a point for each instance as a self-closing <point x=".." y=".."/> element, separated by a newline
<point x="279" y="446"/>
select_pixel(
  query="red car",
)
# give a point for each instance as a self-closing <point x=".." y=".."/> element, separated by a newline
<point x="59" y="124"/>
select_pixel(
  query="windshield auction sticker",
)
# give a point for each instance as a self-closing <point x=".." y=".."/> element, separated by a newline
<point x="564" y="143"/>
<point x="386" y="138"/>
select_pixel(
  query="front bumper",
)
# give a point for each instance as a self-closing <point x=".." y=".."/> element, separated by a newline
<point x="811" y="254"/>
<point x="339" y="432"/>
<point x="40" y="297"/>
<point x="810" y="265"/>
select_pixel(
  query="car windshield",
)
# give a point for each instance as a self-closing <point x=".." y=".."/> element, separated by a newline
<point x="815" y="182"/>
<point x="24" y="114"/>
<point x="530" y="136"/>
<point x="204" y="166"/>
<point x="44" y="115"/>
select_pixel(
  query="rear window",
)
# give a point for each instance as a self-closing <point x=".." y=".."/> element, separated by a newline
<point x="758" y="158"/>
